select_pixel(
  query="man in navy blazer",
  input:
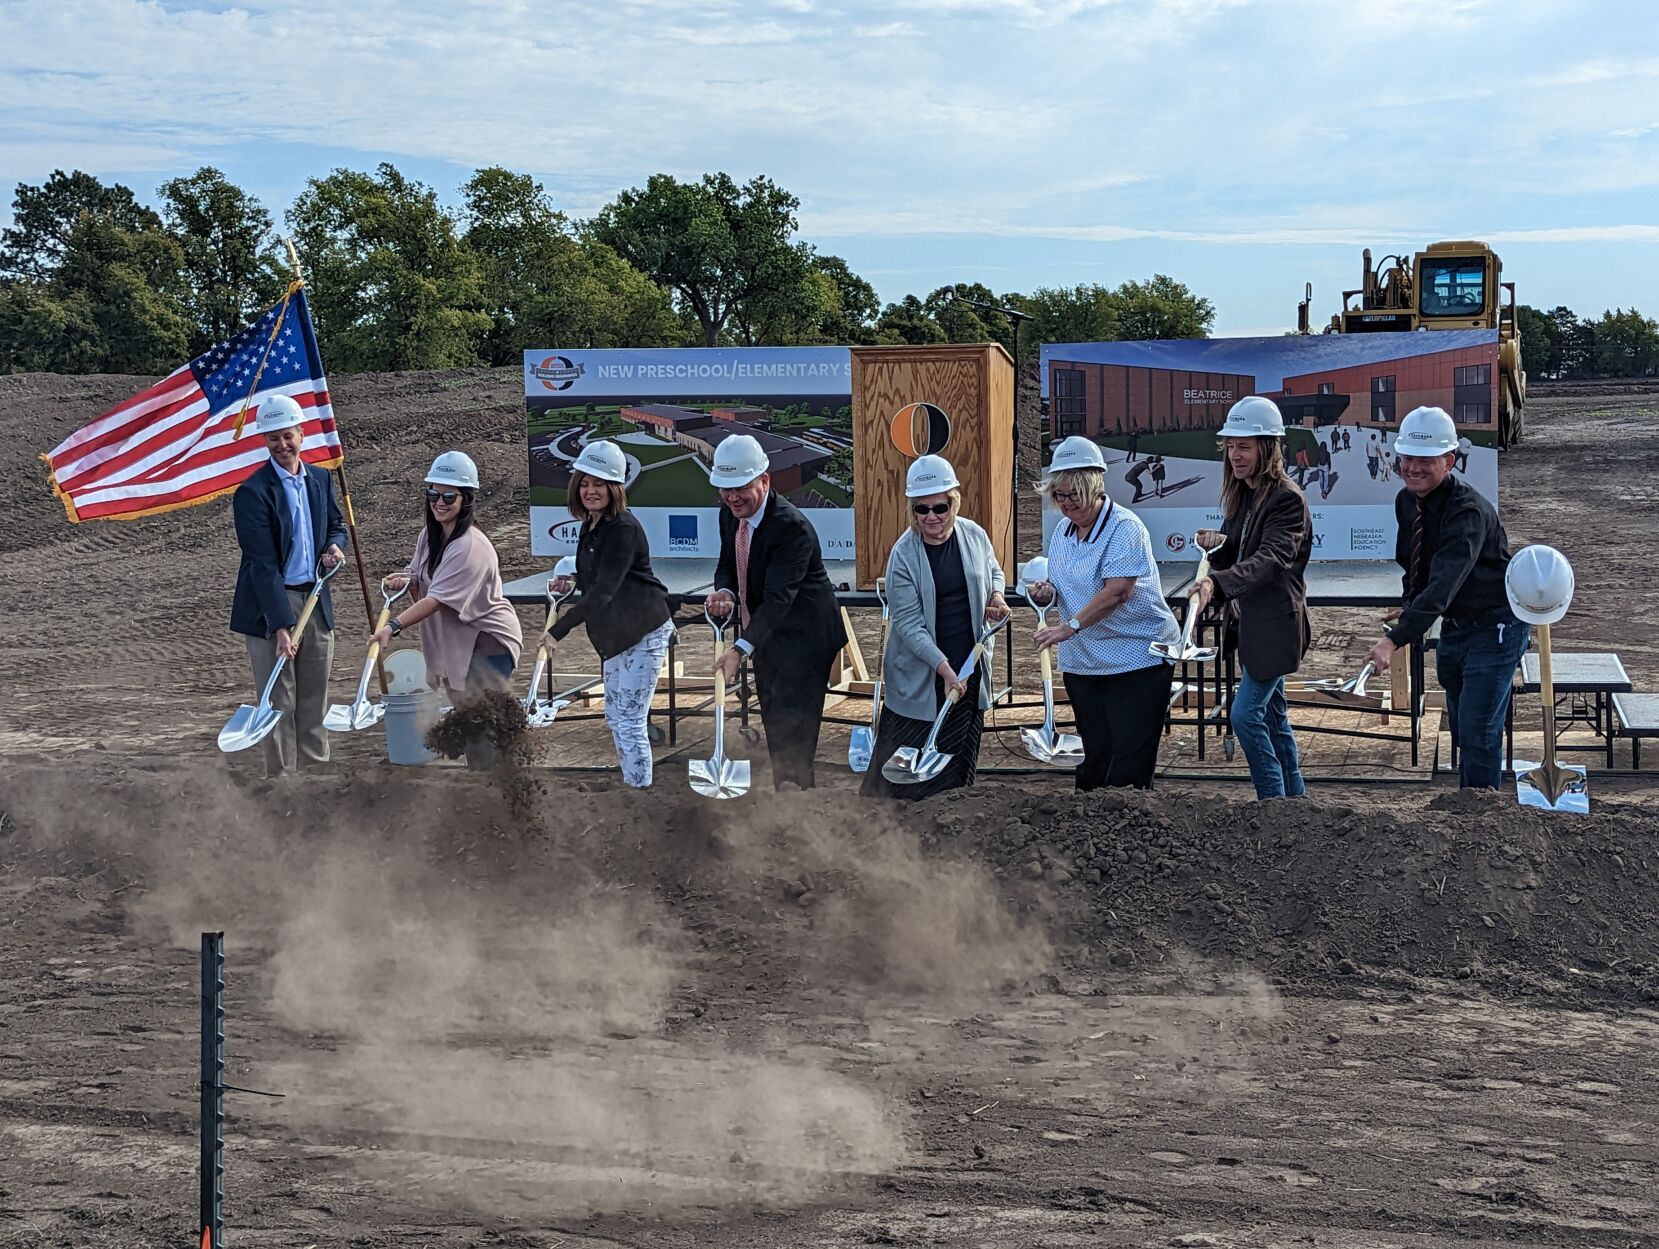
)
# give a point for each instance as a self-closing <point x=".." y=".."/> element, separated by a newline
<point x="286" y="523"/>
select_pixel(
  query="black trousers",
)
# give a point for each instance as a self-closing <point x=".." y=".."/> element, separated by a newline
<point x="1120" y="719"/>
<point x="792" y="711"/>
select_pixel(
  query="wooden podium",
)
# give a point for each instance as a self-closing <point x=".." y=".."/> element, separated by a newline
<point x="974" y="385"/>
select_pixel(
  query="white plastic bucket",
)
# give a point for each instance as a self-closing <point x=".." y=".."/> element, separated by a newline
<point x="408" y="716"/>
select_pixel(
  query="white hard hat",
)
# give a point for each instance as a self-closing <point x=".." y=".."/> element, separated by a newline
<point x="566" y="567"/>
<point x="454" y="468"/>
<point x="1426" y="432"/>
<point x="1539" y="582"/>
<point x="1254" y="416"/>
<point x="602" y="459"/>
<point x="737" y="461"/>
<point x="1035" y="570"/>
<point x="930" y="474"/>
<point x="277" y="412"/>
<point x="1076" y="452"/>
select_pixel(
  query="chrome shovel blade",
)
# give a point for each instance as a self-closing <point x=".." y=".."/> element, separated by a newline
<point x="860" y="747"/>
<point x="908" y="766"/>
<point x="1177" y="654"/>
<point x="1047" y="746"/>
<point x="248" y="726"/>
<point x="542" y="713"/>
<point x="353" y="717"/>
<point x="1554" y="787"/>
<point x="719" y="777"/>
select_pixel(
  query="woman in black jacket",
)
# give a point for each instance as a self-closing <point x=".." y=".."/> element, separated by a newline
<point x="623" y="604"/>
<point x="1260" y="574"/>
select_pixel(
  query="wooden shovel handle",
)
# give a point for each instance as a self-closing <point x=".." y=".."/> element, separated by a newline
<point x="1546" y="691"/>
<point x="1046" y="658"/>
<point x="298" y="631"/>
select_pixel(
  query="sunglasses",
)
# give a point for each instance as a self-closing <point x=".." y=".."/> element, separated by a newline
<point x="930" y="509"/>
<point x="442" y="496"/>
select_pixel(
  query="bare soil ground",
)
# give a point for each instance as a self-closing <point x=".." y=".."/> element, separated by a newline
<point x="536" y="1010"/>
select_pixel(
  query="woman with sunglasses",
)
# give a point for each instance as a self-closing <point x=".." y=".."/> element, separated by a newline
<point x="943" y="580"/>
<point x="471" y="636"/>
<point x="623" y="604"/>
<point x="1104" y="579"/>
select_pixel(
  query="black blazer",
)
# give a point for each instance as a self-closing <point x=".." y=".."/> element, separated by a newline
<point x="1262" y="572"/>
<point x="792" y="607"/>
<point x="622" y="600"/>
<point x="260" y="606"/>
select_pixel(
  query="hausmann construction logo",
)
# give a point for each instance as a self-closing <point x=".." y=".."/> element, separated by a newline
<point x="557" y="372"/>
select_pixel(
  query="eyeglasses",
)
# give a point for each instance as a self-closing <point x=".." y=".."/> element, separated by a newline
<point x="1064" y="496"/>
<point x="930" y="509"/>
<point x="442" y="496"/>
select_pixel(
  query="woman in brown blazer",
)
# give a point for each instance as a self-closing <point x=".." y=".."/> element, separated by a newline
<point x="1259" y="573"/>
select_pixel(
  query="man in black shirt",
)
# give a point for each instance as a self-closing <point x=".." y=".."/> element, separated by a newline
<point x="1454" y="552"/>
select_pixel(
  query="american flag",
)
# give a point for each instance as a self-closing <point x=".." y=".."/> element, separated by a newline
<point x="176" y="444"/>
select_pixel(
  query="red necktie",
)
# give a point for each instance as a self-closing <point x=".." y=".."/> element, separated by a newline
<point x="743" y="569"/>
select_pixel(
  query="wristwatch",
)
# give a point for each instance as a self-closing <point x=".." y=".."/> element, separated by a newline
<point x="395" y="626"/>
<point x="1075" y="625"/>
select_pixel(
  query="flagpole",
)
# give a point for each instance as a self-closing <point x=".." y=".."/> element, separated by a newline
<point x="346" y="508"/>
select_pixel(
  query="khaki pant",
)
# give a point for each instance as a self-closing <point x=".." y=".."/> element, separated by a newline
<point x="301" y="693"/>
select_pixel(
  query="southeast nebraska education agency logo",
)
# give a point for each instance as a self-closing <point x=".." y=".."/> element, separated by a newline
<point x="557" y="372"/>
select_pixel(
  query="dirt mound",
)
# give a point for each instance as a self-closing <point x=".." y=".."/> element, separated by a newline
<point x="1465" y="884"/>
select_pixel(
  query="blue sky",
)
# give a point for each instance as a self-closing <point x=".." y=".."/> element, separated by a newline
<point x="1244" y="148"/>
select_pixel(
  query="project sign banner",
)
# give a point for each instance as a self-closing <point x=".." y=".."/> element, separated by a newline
<point x="1154" y="408"/>
<point x="669" y="408"/>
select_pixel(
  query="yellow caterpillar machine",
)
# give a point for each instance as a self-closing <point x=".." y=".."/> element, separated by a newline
<point x="1447" y="286"/>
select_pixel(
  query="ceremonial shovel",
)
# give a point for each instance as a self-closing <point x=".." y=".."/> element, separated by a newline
<point x="1549" y="786"/>
<point x="248" y="726"/>
<point x="907" y="765"/>
<point x="719" y="777"/>
<point x="1350" y="693"/>
<point x="361" y="713"/>
<point x="538" y="711"/>
<point x="1185" y="651"/>
<point x="862" y="744"/>
<point x="1044" y="744"/>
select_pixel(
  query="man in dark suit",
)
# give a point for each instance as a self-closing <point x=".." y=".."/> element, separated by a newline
<point x="286" y="523"/>
<point x="770" y="572"/>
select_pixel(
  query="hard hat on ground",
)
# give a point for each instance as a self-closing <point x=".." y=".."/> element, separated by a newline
<point x="738" y="460"/>
<point x="1426" y="432"/>
<point x="453" y="468"/>
<point x="602" y="459"/>
<point x="1253" y="417"/>
<point x="1035" y="570"/>
<point x="1539" y="582"/>
<point x="930" y="474"/>
<point x="277" y="412"/>
<point x="1074" y="453"/>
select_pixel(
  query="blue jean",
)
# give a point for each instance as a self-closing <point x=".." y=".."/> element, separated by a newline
<point x="1476" y="662"/>
<point x="1261" y="722"/>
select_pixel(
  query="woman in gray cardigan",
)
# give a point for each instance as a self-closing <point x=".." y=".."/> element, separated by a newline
<point x="943" y="583"/>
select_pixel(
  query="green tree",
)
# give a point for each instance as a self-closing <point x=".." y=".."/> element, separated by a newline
<point x="1575" y="341"/>
<point x="1627" y="344"/>
<point x="717" y="245"/>
<point x="1161" y="307"/>
<point x="232" y="270"/>
<point x="391" y="285"/>
<point x="111" y="305"/>
<point x="1077" y="314"/>
<point x="45" y="217"/>
<point x="1540" y="347"/>
<point x="965" y="322"/>
<point x="854" y="308"/>
<point x="545" y="287"/>
<point x="907" y="321"/>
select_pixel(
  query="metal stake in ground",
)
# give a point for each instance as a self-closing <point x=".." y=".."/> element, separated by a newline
<point x="213" y="1090"/>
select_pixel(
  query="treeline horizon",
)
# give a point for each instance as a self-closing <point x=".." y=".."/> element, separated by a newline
<point x="94" y="281"/>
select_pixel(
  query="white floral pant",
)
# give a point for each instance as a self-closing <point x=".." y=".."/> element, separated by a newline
<point x="630" y="684"/>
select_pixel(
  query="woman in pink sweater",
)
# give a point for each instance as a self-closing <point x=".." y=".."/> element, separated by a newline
<point x="470" y="633"/>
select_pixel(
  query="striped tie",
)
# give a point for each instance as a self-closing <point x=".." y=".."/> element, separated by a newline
<point x="743" y="568"/>
<point x="1418" y="572"/>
